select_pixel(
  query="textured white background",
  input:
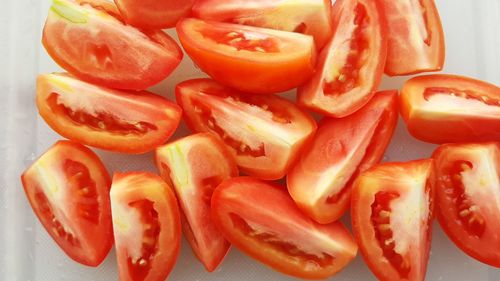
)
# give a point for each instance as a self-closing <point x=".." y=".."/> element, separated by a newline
<point x="28" y="254"/>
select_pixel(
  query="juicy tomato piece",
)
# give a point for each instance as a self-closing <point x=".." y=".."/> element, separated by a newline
<point x="151" y="14"/>
<point x="468" y="198"/>
<point x="249" y="59"/>
<point x="447" y="108"/>
<point x="147" y="227"/>
<point x="350" y="67"/>
<point x="264" y="133"/>
<point x="320" y="182"/>
<point x="68" y="189"/>
<point x="263" y="221"/>
<point x="392" y="211"/>
<point x="116" y="120"/>
<point x="311" y="17"/>
<point x="195" y="166"/>
<point x="89" y="39"/>
<point x="415" y="37"/>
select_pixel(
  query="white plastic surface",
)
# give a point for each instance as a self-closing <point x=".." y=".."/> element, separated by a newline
<point x="27" y="253"/>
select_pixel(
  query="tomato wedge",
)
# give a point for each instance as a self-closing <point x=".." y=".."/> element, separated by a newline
<point x="468" y="198"/>
<point x="415" y="37"/>
<point x="89" y="39"/>
<point x="448" y="108"/>
<point x="392" y="210"/>
<point x="68" y="189"/>
<point x="116" y="120"/>
<point x="350" y="67"/>
<point x="320" y="182"/>
<point x="262" y="220"/>
<point x="196" y="165"/>
<point x="147" y="227"/>
<point x="311" y="17"/>
<point x="152" y="14"/>
<point x="264" y="133"/>
<point x="249" y="59"/>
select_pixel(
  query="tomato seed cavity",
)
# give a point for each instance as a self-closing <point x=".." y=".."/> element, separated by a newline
<point x="465" y="94"/>
<point x="239" y="41"/>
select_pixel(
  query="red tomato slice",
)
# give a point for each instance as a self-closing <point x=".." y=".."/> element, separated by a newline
<point x="320" y="182"/>
<point x="448" y="108"/>
<point x="249" y="59"/>
<point x="196" y="165"/>
<point x="311" y="17"/>
<point x="151" y="14"/>
<point x="351" y="65"/>
<point x="468" y="198"/>
<point x="89" y="39"/>
<point x="415" y="37"/>
<point x="264" y="133"/>
<point x="263" y="221"/>
<point x="68" y="189"/>
<point x="147" y="227"/>
<point x="392" y="211"/>
<point x="123" y="121"/>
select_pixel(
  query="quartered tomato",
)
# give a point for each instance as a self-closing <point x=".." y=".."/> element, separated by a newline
<point x="447" y="108"/>
<point x="468" y="198"/>
<point x="154" y="13"/>
<point x="123" y="121"/>
<point x="89" y="39"/>
<point x="311" y="17"/>
<point x="68" y="189"/>
<point x="320" y="182"/>
<point x="350" y="67"/>
<point x="262" y="220"/>
<point x="415" y="37"/>
<point x="392" y="211"/>
<point x="264" y="133"/>
<point x="249" y="59"/>
<point x="195" y="166"/>
<point x="146" y="224"/>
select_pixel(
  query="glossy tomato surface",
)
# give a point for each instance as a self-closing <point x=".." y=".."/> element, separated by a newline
<point x="447" y="108"/>
<point x="468" y="198"/>
<point x="196" y="165"/>
<point x="147" y="227"/>
<point x="246" y="58"/>
<point x="151" y="14"/>
<point x="68" y="189"/>
<point x="392" y="210"/>
<point x="264" y="133"/>
<point x="320" y="182"/>
<point x="311" y="17"/>
<point x="89" y="39"/>
<point x="415" y="37"/>
<point x="116" y="120"/>
<point x="262" y="220"/>
<point x="350" y="67"/>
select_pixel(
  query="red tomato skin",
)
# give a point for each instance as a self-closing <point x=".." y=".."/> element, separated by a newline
<point x="486" y="248"/>
<point x="106" y="236"/>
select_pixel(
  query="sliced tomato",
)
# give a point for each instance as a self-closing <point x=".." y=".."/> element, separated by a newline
<point x="415" y="37"/>
<point x="249" y="59"/>
<point x="116" y="120"/>
<point x="320" y="182"/>
<point x="350" y="67"/>
<point x="263" y="221"/>
<point x="392" y="211"/>
<point x="89" y="39"/>
<point x="448" y="108"/>
<point x="154" y="13"/>
<point x="196" y="165"/>
<point x="311" y="17"/>
<point x="468" y="198"/>
<point x="264" y="133"/>
<point x="147" y="227"/>
<point x="68" y="189"/>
